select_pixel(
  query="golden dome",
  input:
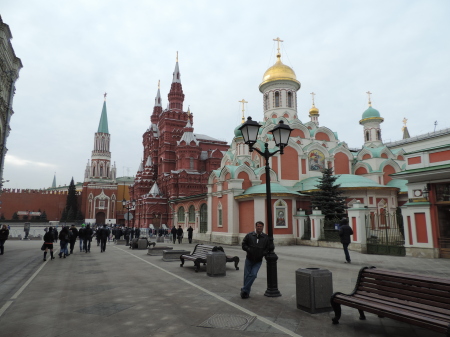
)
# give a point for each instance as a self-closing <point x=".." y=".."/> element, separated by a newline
<point x="313" y="110"/>
<point x="279" y="71"/>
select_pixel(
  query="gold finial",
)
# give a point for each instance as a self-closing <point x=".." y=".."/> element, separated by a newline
<point x="243" y="109"/>
<point x="312" y="95"/>
<point x="189" y="110"/>
<point x="177" y="55"/>
<point x="104" y="95"/>
<point x="159" y="82"/>
<point x="368" y="94"/>
<point x="404" y="123"/>
<point x="278" y="41"/>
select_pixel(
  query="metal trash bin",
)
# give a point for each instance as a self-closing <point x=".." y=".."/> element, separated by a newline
<point x="314" y="287"/>
<point x="216" y="264"/>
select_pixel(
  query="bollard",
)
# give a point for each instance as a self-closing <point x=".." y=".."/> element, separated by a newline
<point x="216" y="264"/>
<point x="314" y="287"/>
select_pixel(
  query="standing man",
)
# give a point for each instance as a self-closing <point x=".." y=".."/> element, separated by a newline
<point x="173" y="231"/>
<point x="344" y="232"/>
<point x="190" y="230"/>
<point x="180" y="234"/>
<point x="137" y="233"/>
<point x="256" y="244"/>
<point x="127" y="236"/>
<point x="103" y="234"/>
<point x="133" y="231"/>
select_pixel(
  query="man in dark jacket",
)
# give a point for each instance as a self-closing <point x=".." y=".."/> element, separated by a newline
<point x="126" y="234"/>
<point x="173" y="231"/>
<point x="180" y="234"/>
<point x="73" y="237"/>
<point x="103" y="234"/>
<point x="81" y="236"/>
<point x="55" y="234"/>
<point x="87" y="239"/>
<point x="4" y="234"/>
<point x="137" y="233"/>
<point x="190" y="230"/>
<point x="256" y="244"/>
<point x="344" y="232"/>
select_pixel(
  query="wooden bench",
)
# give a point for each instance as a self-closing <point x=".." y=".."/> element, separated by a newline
<point x="199" y="256"/>
<point x="415" y="299"/>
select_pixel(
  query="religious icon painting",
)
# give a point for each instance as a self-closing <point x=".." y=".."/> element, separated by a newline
<point x="280" y="213"/>
<point x="316" y="160"/>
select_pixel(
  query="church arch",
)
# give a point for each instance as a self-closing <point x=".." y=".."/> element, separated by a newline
<point x="192" y="213"/>
<point x="290" y="164"/>
<point x="277" y="99"/>
<point x="280" y="212"/>
<point x="289" y="99"/>
<point x="341" y="163"/>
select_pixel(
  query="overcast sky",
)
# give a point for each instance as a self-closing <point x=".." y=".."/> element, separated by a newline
<point x="74" y="51"/>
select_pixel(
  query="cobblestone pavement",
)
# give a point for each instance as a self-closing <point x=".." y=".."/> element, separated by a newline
<point x="127" y="292"/>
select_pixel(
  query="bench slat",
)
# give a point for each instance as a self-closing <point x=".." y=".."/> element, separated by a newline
<point x="412" y="277"/>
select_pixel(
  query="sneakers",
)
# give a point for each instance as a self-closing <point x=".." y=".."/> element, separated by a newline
<point x="348" y="261"/>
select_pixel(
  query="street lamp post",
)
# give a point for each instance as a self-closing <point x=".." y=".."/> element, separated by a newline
<point x="128" y="205"/>
<point x="281" y="134"/>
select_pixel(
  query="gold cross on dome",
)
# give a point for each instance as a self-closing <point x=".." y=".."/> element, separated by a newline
<point x="278" y="41"/>
<point x="104" y="95"/>
<point x="369" y="93"/>
<point x="243" y="109"/>
<point x="312" y="95"/>
<point x="404" y="123"/>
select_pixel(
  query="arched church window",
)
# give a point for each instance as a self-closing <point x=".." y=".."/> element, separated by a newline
<point x="378" y="135"/>
<point x="277" y="99"/>
<point x="367" y="136"/>
<point x="203" y="218"/>
<point x="191" y="163"/>
<point x="191" y="213"/>
<point x="266" y="102"/>
<point x="289" y="96"/>
<point x="280" y="212"/>
<point x="181" y="214"/>
<point x="101" y="171"/>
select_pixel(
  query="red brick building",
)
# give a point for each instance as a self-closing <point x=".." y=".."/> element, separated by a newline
<point x="176" y="161"/>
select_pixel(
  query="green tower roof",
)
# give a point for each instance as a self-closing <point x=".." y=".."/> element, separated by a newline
<point x="370" y="113"/>
<point x="103" y="125"/>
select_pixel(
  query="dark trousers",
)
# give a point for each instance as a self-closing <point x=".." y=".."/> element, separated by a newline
<point x="190" y="239"/>
<point x="174" y="237"/>
<point x="127" y="240"/>
<point x="2" y="246"/>
<point x="72" y="244"/>
<point x="347" y="255"/>
<point x="103" y="244"/>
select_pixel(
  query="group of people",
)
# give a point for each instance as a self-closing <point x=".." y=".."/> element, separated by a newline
<point x="177" y="233"/>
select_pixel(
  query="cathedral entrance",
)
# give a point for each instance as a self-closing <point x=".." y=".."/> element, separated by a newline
<point x="444" y="230"/>
<point x="203" y="218"/>
<point x="100" y="218"/>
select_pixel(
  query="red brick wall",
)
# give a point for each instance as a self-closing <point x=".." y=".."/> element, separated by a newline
<point x="341" y="163"/>
<point x="246" y="216"/>
<point x="289" y="164"/>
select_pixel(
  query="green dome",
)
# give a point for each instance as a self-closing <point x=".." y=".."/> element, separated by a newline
<point x="237" y="132"/>
<point x="370" y="113"/>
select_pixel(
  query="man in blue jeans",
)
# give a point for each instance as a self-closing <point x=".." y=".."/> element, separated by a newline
<point x="256" y="244"/>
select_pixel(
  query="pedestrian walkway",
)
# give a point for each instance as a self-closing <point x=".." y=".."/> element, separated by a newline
<point x="127" y="292"/>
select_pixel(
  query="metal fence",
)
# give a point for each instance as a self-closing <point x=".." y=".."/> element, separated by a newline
<point x="385" y="235"/>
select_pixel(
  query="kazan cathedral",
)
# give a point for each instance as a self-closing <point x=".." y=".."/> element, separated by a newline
<point x="236" y="196"/>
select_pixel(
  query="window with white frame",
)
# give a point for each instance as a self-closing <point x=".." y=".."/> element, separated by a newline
<point x="101" y="204"/>
<point x="180" y="214"/>
<point x="281" y="214"/>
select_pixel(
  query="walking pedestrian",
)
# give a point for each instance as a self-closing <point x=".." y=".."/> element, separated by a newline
<point x="81" y="236"/>
<point x="97" y="234"/>
<point x="55" y="234"/>
<point x="4" y="234"/>
<point x="48" y="243"/>
<point x="63" y="242"/>
<point x="118" y="234"/>
<point x="73" y="237"/>
<point x="173" y="231"/>
<point x="132" y="233"/>
<point x="88" y="233"/>
<point x="180" y="234"/>
<point x="137" y="233"/>
<point x="103" y="233"/>
<point x="190" y="230"/>
<point x="256" y="244"/>
<point x="344" y="232"/>
<point x="127" y="236"/>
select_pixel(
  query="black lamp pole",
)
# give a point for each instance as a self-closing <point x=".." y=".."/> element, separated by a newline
<point x="126" y="204"/>
<point x="281" y="135"/>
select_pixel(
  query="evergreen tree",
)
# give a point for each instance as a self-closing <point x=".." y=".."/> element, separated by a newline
<point x="72" y="201"/>
<point x="63" y="216"/>
<point x="70" y="215"/>
<point x="15" y="216"/>
<point x="329" y="197"/>
<point x="43" y="216"/>
<point x="79" y="216"/>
